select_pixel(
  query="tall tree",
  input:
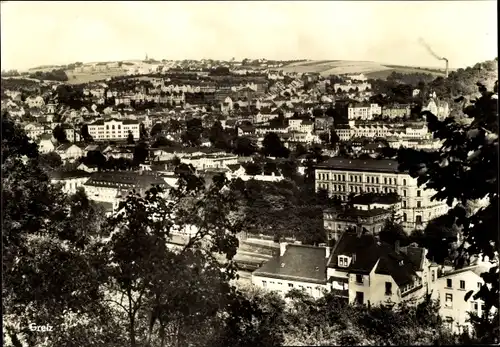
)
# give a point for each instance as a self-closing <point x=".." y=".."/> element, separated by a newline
<point x="157" y="129"/>
<point x="143" y="134"/>
<point x="130" y="138"/>
<point x="463" y="171"/>
<point x="50" y="265"/>
<point x="59" y="134"/>
<point x="272" y="146"/>
<point x="244" y="146"/>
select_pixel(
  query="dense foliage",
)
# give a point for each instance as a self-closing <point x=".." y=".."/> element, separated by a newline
<point x="465" y="170"/>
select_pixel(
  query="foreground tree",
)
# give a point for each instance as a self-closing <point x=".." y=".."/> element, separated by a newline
<point x="463" y="171"/>
<point x="50" y="260"/>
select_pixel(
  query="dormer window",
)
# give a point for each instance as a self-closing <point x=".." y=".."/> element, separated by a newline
<point x="344" y="261"/>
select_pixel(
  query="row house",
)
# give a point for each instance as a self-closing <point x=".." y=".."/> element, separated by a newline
<point x="359" y="269"/>
<point x="396" y="111"/>
<point x="114" y="129"/>
<point x="342" y="177"/>
<point x="300" y="137"/>
<point x="363" y="111"/>
<point x="110" y="188"/>
<point x="211" y="161"/>
<point x="264" y="130"/>
<point x="70" y="181"/>
<point x="424" y="144"/>
<point x="264" y="116"/>
<point x="346" y="87"/>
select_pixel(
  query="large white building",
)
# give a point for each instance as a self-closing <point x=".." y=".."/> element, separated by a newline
<point x="347" y="132"/>
<point x="363" y="111"/>
<point x="342" y="177"/>
<point x="109" y="188"/>
<point x="114" y="129"/>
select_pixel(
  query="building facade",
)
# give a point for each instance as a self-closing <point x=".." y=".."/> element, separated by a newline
<point x="342" y="177"/>
<point x="114" y="129"/>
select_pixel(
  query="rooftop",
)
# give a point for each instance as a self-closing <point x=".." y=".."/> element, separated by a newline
<point x="300" y="262"/>
<point x="373" y="198"/>
<point x="61" y="175"/>
<point x="369" y="252"/>
<point x="370" y="165"/>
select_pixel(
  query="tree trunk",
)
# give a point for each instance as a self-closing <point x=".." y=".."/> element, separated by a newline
<point x="132" y="331"/>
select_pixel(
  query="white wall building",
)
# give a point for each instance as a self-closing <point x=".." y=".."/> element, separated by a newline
<point x="342" y="177"/>
<point x="114" y="129"/>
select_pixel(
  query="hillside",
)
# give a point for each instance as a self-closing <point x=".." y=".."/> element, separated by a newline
<point x="369" y="68"/>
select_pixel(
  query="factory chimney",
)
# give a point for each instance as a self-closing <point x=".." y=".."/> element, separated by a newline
<point x="446" y="71"/>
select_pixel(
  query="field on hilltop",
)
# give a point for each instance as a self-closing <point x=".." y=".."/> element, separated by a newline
<point x="369" y="68"/>
<point x="87" y="77"/>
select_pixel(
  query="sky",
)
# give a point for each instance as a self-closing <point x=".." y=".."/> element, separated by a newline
<point x="53" y="33"/>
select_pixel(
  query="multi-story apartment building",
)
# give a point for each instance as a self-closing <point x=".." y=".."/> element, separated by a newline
<point x="396" y="110"/>
<point x="342" y="177"/>
<point x="363" y="111"/>
<point x="347" y="132"/>
<point x="346" y="87"/>
<point x="114" y="129"/>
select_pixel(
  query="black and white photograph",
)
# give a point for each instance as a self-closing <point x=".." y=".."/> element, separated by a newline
<point x="249" y="173"/>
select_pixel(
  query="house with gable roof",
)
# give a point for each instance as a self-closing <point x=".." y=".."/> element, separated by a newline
<point x="365" y="271"/>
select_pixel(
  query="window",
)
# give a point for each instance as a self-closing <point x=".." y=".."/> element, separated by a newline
<point x="360" y="298"/>
<point x="388" y="288"/>
<point x="405" y="217"/>
<point x="419" y="204"/>
<point x="449" y="283"/>
<point x="290" y="285"/>
<point x="433" y="275"/>
<point x="404" y="204"/>
<point x="448" y="302"/>
<point x="264" y="284"/>
<point x="475" y="306"/>
<point x="462" y="284"/>
<point x="343" y="261"/>
<point x="404" y="192"/>
<point x="418" y="193"/>
<point x="359" y="279"/>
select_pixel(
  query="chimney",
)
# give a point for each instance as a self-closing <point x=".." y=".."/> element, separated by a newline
<point x="283" y="248"/>
<point x="396" y="246"/>
<point x="353" y="258"/>
<point x="328" y="251"/>
<point x="446" y="71"/>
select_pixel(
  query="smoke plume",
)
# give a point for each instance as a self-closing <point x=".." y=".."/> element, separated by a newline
<point x="429" y="49"/>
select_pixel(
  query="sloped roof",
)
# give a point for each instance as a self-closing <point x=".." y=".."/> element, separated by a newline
<point x="373" y="165"/>
<point x="300" y="262"/>
<point x="369" y="252"/>
<point x="61" y="175"/>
